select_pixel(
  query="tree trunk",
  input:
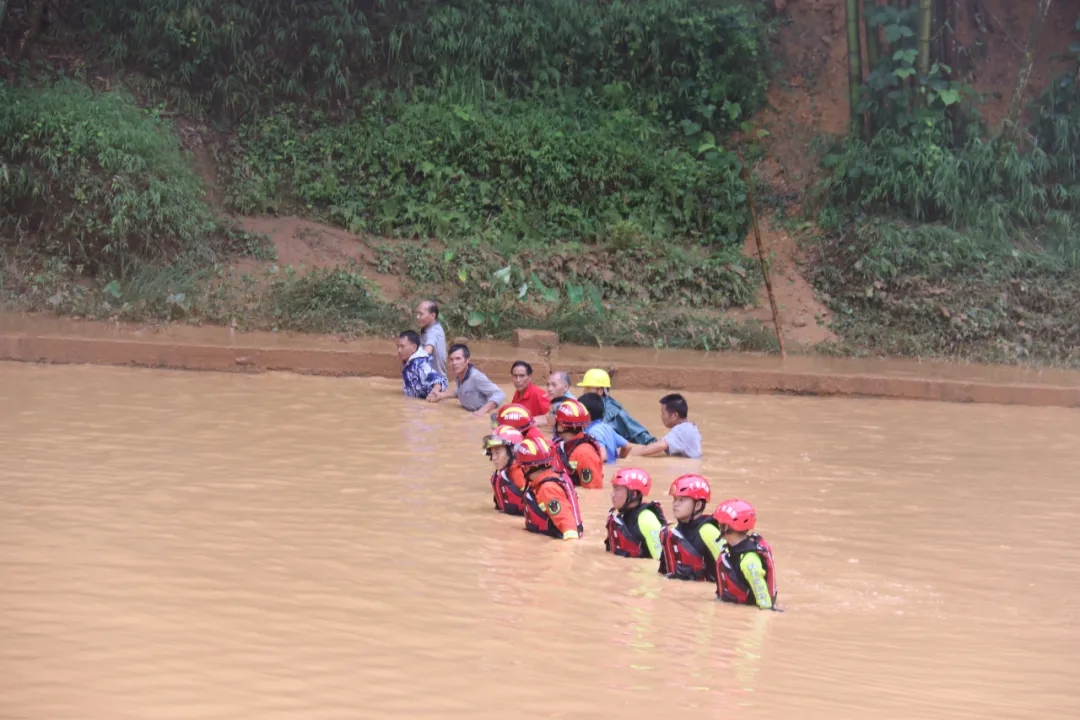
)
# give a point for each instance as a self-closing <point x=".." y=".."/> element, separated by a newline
<point x="873" y="42"/>
<point x="864" y="60"/>
<point x="1011" y="130"/>
<point x="36" y="11"/>
<point x="854" y="66"/>
<point x="926" y="22"/>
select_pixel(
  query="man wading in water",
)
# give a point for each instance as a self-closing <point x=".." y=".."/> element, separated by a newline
<point x="472" y="388"/>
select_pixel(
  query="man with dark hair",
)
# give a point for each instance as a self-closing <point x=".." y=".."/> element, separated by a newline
<point x="472" y="388"/>
<point x="419" y="379"/>
<point x="526" y="393"/>
<point x="433" y="338"/>
<point x="683" y="438"/>
<point x="612" y="443"/>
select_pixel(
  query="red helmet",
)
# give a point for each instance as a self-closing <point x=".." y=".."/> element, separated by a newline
<point x="738" y="515"/>
<point x="534" y="452"/>
<point x="572" y="414"/>
<point x="514" y="415"/>
<point x="633" y="479"/>
<point x="504" y="435"/>
<point x="691" y="486"/>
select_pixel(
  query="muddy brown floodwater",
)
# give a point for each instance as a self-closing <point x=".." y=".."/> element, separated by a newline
<point x="200" y="545"/>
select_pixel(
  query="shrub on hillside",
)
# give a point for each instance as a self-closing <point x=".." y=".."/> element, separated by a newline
<point x="517" y="168"/>
<point x="698" y="61"/>
<point x="93" y="178"/>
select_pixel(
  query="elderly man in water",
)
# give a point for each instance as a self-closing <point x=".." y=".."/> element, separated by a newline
<point x="558" y="389"/>
<point x="472" y="388"/>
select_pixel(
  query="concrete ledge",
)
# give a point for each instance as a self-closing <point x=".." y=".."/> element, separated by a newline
<point x="371" y="361"/>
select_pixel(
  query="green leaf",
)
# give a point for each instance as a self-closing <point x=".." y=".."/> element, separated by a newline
<point x="113" y="288"/>
<point x="949" y="97"/>
<point x="903" y="72"/>
<point x="523" y="291"/>
<point x="550" y="294"/>
<point x="575" y="294"/>
<point x="476" y="318"/>
<point x="908" y="56"/>
<point x="463" y="275"/>
<point x="503" y="274"/>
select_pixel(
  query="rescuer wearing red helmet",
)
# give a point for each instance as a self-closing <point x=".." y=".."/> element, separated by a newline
<point x="519" y="418"/>
<point x="551" y="505"/>
<point x="692" y="547"/>
<point x="744" y="573"/>
<point x="508" y="481"/>
<point x="579" y="453"/>
<point x="633" y="529"/>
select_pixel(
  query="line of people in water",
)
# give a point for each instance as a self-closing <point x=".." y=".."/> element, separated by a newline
<point x="539" y="479"/>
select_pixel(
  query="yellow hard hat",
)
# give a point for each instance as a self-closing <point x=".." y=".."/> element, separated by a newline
<point x="595" y="378"/>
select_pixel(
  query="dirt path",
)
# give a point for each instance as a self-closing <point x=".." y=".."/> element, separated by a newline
<point x="306" y="245"/>
<point x="803" y="319"/>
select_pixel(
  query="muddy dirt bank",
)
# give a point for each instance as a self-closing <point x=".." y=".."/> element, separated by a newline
<point x="56" y="340"/>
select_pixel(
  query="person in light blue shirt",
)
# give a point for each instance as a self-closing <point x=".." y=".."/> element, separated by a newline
<point x="683" y="438"/>
<point x="614" y="444"/>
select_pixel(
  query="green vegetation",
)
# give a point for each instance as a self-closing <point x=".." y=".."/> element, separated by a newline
<point x="941" y="239"/>
<point x="692" y="61"/>
<point x="560" y="164"/>
<point x="512" y="171"/>
<point x="563" y="164"/>
<point x="95" y="179"/>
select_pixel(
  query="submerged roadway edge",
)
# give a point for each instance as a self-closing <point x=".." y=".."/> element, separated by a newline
<point x="360" y="362"/>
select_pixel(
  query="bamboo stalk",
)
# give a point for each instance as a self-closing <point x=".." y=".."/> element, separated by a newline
<point x="871" y="46"/>
<point x="926" y="23"/>
<point x="761" y="254"/>
<point x="854" y="65"/>
<point x="1012" y="123"/>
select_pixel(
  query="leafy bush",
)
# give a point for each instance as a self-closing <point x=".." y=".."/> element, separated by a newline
<point x="96" y="179"/>
<point x="988" y="187"/>
<point x="333" y="300"/>
<point x="697" y="61"/>
<point x="692" y="61"/>
<point x="232" y="56"/>
<point x="928" y="290"/>
<point x="516" y="168"/>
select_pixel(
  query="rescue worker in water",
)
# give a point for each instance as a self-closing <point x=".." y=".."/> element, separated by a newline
<point x="745" y="573"/>
<point x="691" y="548"/>
<point x="633" y="529"/>
<point x="579" y="453"/>
<point x="551" y="504"/>
<point x="508" y="480"/>
<point x="519" y="418"/>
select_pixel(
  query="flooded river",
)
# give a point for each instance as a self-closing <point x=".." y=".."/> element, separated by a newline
<point x="196" y="545"/>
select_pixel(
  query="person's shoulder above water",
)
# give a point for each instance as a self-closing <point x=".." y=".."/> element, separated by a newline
<point x="684" y="440"/>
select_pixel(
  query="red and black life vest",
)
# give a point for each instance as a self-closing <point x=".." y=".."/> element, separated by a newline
<point x="624" y="536"/>
<point x="565" y="448"/>
<point x="508" y="498"/>
<point x="731" y="584"/>
<point x="686" y="556"/>
<point x="537" y="519"/>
